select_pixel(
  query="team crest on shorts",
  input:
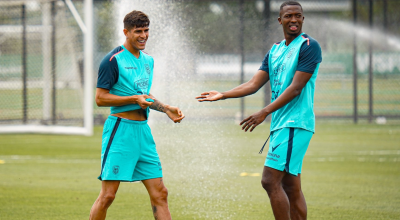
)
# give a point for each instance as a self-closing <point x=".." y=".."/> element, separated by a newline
<point x="147" y="67"/>
<point x="115" y="169"/>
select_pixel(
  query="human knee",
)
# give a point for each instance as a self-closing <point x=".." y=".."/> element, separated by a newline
<point x="291" y="189"/>
<point x="107" y="198"/>
<point x="268" y="184"/>
<point x="160" y="196"/>
<point x="163" y="193"/>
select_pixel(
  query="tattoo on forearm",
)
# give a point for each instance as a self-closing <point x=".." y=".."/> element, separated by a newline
<point x="158" y="106"/>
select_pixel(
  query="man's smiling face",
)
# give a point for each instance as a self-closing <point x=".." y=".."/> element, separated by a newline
<point x="291" y="18"/>
<point x="137" y="37"/>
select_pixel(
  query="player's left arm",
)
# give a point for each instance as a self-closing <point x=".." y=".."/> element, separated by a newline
<point x="309" y="57"/>
<point x="174" y="113"/>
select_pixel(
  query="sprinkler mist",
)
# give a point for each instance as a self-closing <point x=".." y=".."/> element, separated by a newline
<point x="195" y="154"/>
<point x="336" y="36"/>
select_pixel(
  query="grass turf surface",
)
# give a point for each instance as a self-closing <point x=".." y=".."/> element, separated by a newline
<point x="350" y="172"/>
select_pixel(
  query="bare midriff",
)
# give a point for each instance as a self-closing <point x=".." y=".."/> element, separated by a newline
<point x="136" y="115"/>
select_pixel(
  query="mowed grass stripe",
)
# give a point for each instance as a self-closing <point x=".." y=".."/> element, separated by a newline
<point x="55" y="176"/>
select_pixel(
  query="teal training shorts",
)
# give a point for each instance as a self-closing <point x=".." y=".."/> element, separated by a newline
<point x="128" y="151"/>
<point x="287" y="148"/>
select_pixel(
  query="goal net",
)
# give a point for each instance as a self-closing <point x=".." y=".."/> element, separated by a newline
<point x="45" y="67"/>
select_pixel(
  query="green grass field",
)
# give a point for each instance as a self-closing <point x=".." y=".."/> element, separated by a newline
<point x="350" y="172"/>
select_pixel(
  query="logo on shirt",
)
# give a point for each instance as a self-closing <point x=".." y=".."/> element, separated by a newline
<point x="277" y="82"/>
<point x="274" y="95"/>
<point x="279" y="69"/>
<point x="130" y="67"/>
<point x="290" y="53"/>
<point x="147" y="67"/>
<point x="142" y="83"/>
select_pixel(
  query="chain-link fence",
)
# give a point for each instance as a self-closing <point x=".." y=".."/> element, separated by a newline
<point x="201" y="45"/>
<point x="229" y="39"/>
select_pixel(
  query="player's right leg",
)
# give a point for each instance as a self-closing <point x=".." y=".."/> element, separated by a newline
<point x="118" y="160"/>
<point x="272" y="183"/>
<point x="107" y="195"/>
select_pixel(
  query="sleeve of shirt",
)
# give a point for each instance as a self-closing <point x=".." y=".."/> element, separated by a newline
<point x="309" y="57"/>
<point x="264" y="66"/>
<point x="108" y="73"/>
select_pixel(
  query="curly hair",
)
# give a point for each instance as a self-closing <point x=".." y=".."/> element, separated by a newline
<point x="136" y="19"/>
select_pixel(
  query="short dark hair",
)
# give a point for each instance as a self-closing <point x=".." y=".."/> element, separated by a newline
<point x="136" y="19"/>
<point x="289" y="3"/>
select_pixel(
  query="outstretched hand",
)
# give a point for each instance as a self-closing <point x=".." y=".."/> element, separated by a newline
<point x="143" y="103"/>
<point x="210" y="96"/>
<point x="253" y="121"/>
<point x="174" y="113"/>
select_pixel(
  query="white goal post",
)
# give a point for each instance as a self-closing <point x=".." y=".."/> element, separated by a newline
<point x="72" y="90"/>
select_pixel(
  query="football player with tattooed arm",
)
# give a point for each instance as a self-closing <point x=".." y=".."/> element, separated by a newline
<point x="291" y="66"/>
<point x="128" y="149"/>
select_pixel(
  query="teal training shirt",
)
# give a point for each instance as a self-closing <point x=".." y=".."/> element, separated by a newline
<point x="125" y="75"/>
<point x="282" y="63"/>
